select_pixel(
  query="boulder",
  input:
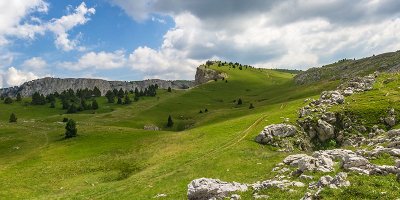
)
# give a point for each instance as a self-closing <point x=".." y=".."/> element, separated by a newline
<point x="275" y="130"/>
<point x="205" y="188"/>
<point x="281" y="184"/>
<point x="390" y="121"/>
<point x="324" y="130"/>
<point x="340" y="180"/>
<point x="393" y="133"/>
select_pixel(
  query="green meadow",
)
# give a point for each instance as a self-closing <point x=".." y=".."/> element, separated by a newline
<point x="113" y="157"/>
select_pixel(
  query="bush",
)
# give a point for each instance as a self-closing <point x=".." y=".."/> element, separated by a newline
<point x="52" y="104"/>
<point x="71" y="130"/>
<point x="72" y="109"/>
<point x="170" y="123"/>
<point x="239" y="102"/>
<point x="13" y="118"/>
<point x="8" y="100"/>
<point x="19" y="98"/>
<point x="65" y="119"/>
<point x="169" y="89"/>
<point x="251" y="106"/>
<point x="95" y="105"/>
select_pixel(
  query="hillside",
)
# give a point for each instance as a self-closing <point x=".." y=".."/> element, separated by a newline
<point x="349" y="68"/>
<point x="114" y="157"/>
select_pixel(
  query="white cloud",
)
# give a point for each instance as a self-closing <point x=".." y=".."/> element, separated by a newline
<point x="100" y="60"/>
<point x="35" y="63"/>
<point x="61" y="26"/>
<point x="14" y="77"/>
<point x="284" y="34"/>
<point x="13" y="22"/>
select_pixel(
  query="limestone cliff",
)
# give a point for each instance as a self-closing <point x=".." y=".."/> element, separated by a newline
<point x="204" y="74"/>
<point x="50" y="85"/>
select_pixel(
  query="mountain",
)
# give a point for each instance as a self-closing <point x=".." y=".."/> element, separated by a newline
<point x="349" y="68"/>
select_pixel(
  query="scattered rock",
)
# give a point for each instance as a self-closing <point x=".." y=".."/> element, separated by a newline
<point x="235" y="197"/>
<point x="325" y="130"/>
<point x="151" y="127"/>
<point x="275" y="130"/>
<point x="160" y="196"/>
<point x="340" y="180"/>
<point x="281" y="184"/>
<point x="205" y="188"/>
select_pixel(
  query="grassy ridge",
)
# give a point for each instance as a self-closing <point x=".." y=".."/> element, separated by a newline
<point x="114" y="158"/>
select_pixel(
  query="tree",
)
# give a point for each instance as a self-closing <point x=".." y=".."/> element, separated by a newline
<point x="13" y="118"/>
<point x="19" y="98"/>
<point x="65" y="119"/>
<point x="170" y="123"/>
<point x="119" y="100"/>
<point x="38" y="99"/>
<point x="127" y="100"/>
<point x="95" y="105"/>
<point x="239" y="102"/>
<point x="96" y="91"/>
<point x="52" y="104"/>
<point x="8" y="100"/>
<point x="251" y="106"/>
<point x="169" y="89"/>
<point x="71" y="130"/>
<point x="72" y="109"/>
<point x="206" y="110"/>
<point x="110" y="96"/>
<point x="200" y="111"/>
<point x="121" y="93"/>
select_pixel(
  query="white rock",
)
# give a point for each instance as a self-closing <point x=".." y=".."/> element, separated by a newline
<point x="205" y="188"/>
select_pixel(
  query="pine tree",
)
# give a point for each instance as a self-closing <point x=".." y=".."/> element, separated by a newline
<point x="169" y="89"/>
<point x="127" y="100"/>
<point x="206" y="110"/>
<point x="52" y="104"/>
<point x="71" y="130"/>
<point x="13" y="118"/>
<point x="110" y="96"/>
<point x="72" y="109"/>
<point x="170" y="123"/>
<point x="8" y="100"/>
<point x="119" y="100"/>
<point x="96" y="91"/>
<point x="19" y="98"/>
<point x="239" y="102"/>
<point x="121" y="93"/>
<point x="95" y="105"/>
<point x="251" y="106"/>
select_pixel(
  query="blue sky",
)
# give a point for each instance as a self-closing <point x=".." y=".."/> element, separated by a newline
<point x="140" y="39"/>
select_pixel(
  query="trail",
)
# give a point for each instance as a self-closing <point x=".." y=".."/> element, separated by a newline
<point x="240" y="137"/>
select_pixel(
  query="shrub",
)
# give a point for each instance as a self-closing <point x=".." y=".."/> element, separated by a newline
<point x="13" y="118"/>
<point x="169" y="89"/>
<point x="65" y="119"/>
<point x="95" y="105"/>
<point x="251" y="106"/>
<point x="239" y="102"/>
<point x="71" y="130"/>
<point x="8" y="100"/>
<point x="170" y="123"/>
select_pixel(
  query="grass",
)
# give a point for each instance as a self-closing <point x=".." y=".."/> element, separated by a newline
<point x="114" y="158"/>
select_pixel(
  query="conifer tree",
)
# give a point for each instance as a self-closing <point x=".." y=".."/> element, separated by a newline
<point x="70" y="129"/>
<point x="95" y="105"/>
<point x="170" y="123"/>
<point x="19" y="98"/>
<point x="13" y="118"/>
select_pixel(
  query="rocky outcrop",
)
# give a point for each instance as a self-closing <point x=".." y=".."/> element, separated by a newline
<point x="204" y="74"/>
<point x="340" y="180"/>
<point x="205" y="189"/>
<point x="50" y="85"/>
<point x="271" y="132"/>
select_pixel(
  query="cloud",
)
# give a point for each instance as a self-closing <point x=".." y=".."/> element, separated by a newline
<point x="284" y="33"/>
<point x="101" y="60"/>
<point x="14" y="23"/>
<point x="14" y="77"/>
<point x="61" y="26"/>
<point x="35" y="63"/>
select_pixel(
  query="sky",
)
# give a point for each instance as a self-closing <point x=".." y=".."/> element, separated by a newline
<point x="168" y="39"/>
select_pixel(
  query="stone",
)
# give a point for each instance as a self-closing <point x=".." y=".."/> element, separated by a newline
<point x="151" y="127"/>
<point x="309" y="163"/>
<point x="306" y="177"/>
<point x="324" y="130"/>
<point x="235" y="197"/>
<point x="281" y="184"/>
<point x="205" y="188"/>
<point x="393" y="133"/>
<point x="260" y="196"/>
<point x="275" y="130"/>
<point x="204" y="74"/>
<point x="390" y="121"/>
<point x="340" y="180"/>
<point x="160" y="196"/>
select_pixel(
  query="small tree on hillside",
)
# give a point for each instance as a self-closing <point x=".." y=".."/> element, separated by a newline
<point x="239" y="102"/>
<point x="72" y="109"/>
<point x="8" y="100"/>
<point x="169" y="89"/>
<point x="127" y="100"/>
<point x="119" y="100"/>
<point x="251" y="106"/>
<point x="71" y="130"/>
<point x="19" y="98"/>
<point x="95" y="105"/>
<point x="170" y="123"/>
<point x="52" y="104"/>
<point x="13" y="118"/>
<point x="96" y="92"/>
<point x="110" y="96"/>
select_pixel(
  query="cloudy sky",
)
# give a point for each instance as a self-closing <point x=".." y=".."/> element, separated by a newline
<point x="138" y="39"/>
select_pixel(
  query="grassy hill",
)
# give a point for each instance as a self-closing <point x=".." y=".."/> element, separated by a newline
<point x="349" y="68"/>
<point x="115" y="158"/>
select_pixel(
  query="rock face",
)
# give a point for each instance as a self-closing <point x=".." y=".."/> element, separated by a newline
<point x="50" y="85"/>
<point x="205" y="189"/>
<point x="275" y="130"/>
<point x="204" y="74"/>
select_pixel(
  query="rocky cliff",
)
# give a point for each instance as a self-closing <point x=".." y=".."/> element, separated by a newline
<point x="349" y="68"/>
<point x="205" y="74"/>
<point x="50" y="85"/>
